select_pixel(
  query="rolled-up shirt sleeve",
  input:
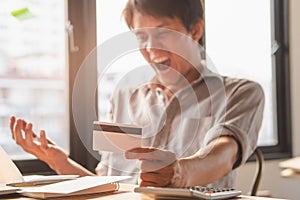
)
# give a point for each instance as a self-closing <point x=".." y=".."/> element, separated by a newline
<point x="241" y="119"/>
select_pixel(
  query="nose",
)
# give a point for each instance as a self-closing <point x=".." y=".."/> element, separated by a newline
<point x="149" y="44"/>
<point x="152" y="44"/>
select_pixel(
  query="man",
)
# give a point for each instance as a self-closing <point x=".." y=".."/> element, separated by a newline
<point x="199" y="125"/>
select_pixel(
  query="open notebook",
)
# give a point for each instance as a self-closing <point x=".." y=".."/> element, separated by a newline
<point x="11" y="181"/>
<point x="80" y="186"/>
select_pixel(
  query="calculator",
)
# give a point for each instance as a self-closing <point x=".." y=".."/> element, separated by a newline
<point x="192" y="192"/>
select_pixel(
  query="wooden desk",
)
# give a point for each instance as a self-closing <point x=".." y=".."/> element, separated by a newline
<point x="126" y="193"/>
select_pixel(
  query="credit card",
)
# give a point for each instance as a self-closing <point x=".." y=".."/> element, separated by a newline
<point x="114" y="137"/>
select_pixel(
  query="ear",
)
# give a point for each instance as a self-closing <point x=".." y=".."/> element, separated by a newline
<point x="197" y="30"/>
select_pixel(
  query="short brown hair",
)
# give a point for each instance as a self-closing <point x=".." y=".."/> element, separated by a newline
<point x="188" y="11"/>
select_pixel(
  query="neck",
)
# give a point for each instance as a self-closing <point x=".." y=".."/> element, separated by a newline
<point x="183" y="82"/>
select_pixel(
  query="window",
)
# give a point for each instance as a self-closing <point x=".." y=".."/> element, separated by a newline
<point x="232" y="40"/>
<point x="244" y="39"/>
<point x="33" y="83"/>
<point x="254" y="46"/>
<point x="43" y="87"/>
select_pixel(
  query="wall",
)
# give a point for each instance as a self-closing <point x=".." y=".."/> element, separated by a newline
<point x="278" y="186"/>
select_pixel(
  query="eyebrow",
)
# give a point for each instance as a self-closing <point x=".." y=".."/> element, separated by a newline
<point x="139" y="30"/>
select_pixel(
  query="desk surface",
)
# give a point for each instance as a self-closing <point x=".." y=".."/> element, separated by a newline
<point x="126" y="193"/>
<point x="289" y="173"/>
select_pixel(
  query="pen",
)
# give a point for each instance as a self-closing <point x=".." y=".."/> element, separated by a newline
<point x="34" y="183"/>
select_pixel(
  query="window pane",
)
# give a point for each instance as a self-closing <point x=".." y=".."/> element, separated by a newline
<point x="33" y="69"/>
<point x="238" y="40"/>
<point x="119" y="67"/>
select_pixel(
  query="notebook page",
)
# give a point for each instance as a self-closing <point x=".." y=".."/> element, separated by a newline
<point x="9" y="173"/>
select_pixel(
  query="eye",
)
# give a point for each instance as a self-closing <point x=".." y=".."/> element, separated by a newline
<point x="141" y="37"/>
<point x="164" y="33"/>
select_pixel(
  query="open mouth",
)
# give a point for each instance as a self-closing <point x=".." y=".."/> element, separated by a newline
<point x="162" y="63"/>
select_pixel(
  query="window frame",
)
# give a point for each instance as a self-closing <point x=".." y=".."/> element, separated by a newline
<point x="82" y="15"/>
<point x="283" y="96"/>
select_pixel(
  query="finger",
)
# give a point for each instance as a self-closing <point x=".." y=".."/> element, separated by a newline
<point x="12" y="122"/>
<point x="149" y="177"/>
<point x="143" y="153"/>
<point x="49" y="141"/>
<point x="18" y="133"/>
<point x="167" y="171"/>
<point x="35" y="136"/>
<point x="23" y="124"/>
<point x="43" y="140"/>
<point x="152" y="166"/>
<point x="142" y="149"/>
<point x="150" y="184"/>
<point x="29" y="134"/>
<point x="153" y="184"/>
<point x="154" y="179"/>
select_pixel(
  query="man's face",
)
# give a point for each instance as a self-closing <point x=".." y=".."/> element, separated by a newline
<point x="169" y="47"/>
